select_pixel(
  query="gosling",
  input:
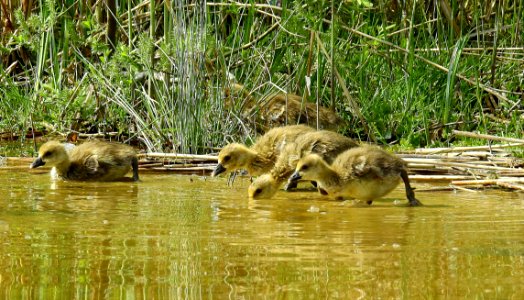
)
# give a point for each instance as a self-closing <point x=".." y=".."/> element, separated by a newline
<point x="364" y="173"/>
<point x="280" y="108"/>
<point x="90" y="161"/>
<point x="259" y="158"/>
<point x="327" y="144"/>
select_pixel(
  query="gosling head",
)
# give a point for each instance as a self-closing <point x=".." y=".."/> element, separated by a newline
<point x="232" y="157"/>
<point x="51" y="153"/>
<point x="308" y="168"/>
<point x="263" y="187"/>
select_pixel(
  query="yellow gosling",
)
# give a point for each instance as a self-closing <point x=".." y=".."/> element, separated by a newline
<point x="259" y="158"/>
<point x="90" y="161"/>
<point x="264" y="187"/>
<point x="327" y="144"/>
<point x="364" y="173"/>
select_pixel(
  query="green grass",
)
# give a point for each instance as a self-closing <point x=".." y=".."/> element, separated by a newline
<point x="415" y="72"/>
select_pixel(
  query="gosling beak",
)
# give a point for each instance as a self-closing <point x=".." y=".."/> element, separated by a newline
<point x="295" y="177"/>
<point x="219" y="169"/>
<point x="37" y="163"/>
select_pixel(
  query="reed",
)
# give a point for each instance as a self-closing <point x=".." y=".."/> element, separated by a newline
<point x="155" y="71"/>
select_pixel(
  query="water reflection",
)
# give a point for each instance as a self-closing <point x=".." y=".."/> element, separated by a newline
<point x="171" y="236"/>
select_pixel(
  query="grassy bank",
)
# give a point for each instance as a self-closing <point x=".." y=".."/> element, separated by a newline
<point x="154" y="73"/>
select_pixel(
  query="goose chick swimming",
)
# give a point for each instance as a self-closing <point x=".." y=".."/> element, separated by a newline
<point x="327" y="144"/>
<point x="259" y="158"/>
<point x="364" y="173"/>
<point x="90" y="161"/>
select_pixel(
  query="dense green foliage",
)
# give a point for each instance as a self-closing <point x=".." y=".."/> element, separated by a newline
<point x="156" y="71"/>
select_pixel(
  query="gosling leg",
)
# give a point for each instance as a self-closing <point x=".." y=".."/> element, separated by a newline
<point x="409" y="190"/>
<point x="134" y="164"/>
<point x="231" y="178"/>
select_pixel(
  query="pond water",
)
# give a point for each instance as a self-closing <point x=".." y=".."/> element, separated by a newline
<point x="181" y="236"/>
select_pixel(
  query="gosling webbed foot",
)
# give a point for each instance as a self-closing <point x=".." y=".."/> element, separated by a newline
<point x="411" y="198"/>
<point x="414" y="202"/>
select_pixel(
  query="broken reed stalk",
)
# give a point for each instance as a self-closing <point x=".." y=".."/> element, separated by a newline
<point x="183" y="169"/>
<point x="196" y="157"/>
<point x="488" y="181"/>
<point x="464" y="149"/>
<point x="463" y="189"/>
<point x="486" y="136"/>
<point x="419" y="177"/>
<point x="414" y="161"/>
<point x="511" y="185"/>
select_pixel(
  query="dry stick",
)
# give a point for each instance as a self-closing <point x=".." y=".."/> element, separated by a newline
<point x="510" y="185"/>
<point x="463" y="189"/>
<point x="487" y="158"/>
<point x="178" y="156"/>
<point x="439" y="177"/>
<point x="147" y="165"/>
<point x="456" y="164"/>
<point x="190" y="166"/>
<point x="486" y="136"/>
<point x="465" y="157"/>
<point x="94" y="135"/>
<point x="436" y="189"/>
<point x="183" y="169"/>
<point x="429" y="62"/>
<point x="496" y="162"/>
<point x="465" y="49"/>
<point x="488" y="181"/>
<point x="463" y="149"/>
<point x="353" y="105"/>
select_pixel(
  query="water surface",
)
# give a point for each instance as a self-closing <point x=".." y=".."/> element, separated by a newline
<point x="173" y="236"/>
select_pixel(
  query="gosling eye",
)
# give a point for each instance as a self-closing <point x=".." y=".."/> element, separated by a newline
<point x="46" y="154"/>
<point x="258" y="191"/>
<point x="226" y="158"/>
<point x="304" y="167"/>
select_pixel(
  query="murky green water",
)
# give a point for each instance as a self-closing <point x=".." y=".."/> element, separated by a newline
<point x="172" y="236"/>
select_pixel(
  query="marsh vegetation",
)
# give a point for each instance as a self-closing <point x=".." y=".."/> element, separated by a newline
<point x="155" y="72"/>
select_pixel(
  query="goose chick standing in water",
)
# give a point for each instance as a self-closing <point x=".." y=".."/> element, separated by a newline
<point x="364" y="173"/>
<point x="327" y="144"/>
<point x="259" y="158"/>
<point x="90" y="161"/>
